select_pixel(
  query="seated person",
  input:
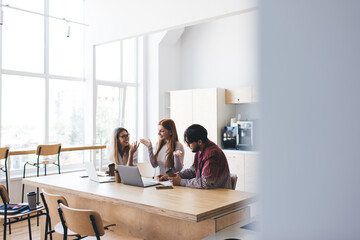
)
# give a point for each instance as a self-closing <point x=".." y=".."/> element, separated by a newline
<point x="169" y="151"/>
<point x="210" y="168"/>
<point x="121" y="152"/>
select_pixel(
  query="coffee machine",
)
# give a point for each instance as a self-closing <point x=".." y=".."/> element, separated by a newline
<point x="245" y="135"/>
<point x="229" y="137"/>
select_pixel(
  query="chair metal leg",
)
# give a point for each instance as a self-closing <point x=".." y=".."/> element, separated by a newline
<point x="22" y="193"/>
<point x="29" y="225"/>
<point x="6" y="176"/>
<point x="4" y="228"/>
<point x="59" y="162"/>
<point x="37" y="219"/>
<point x="46" y="226"/>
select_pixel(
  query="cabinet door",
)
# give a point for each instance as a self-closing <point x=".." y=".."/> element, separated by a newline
<point x="205" y="110"/>
<point x="236" y="163"/>
<point x="238" y="95"/>
<point x="251" y="172"/>
<point x="181" y="112"/>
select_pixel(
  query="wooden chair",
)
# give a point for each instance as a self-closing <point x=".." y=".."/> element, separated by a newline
<point x="86" y="223"/>
<point x="51" y="203"/>
<point x="4" y="153"/>
<point x="234" y="178"/>
<point x="44" y="153"/>
<point x="18" y="217"/>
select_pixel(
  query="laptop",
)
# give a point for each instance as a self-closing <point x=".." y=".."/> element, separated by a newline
<point x="93" y="175"/>
<point x="130" y="175"/>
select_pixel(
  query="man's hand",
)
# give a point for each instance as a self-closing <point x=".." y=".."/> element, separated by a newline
<point x="175" y="180"/>
<point x="162" y="177"/>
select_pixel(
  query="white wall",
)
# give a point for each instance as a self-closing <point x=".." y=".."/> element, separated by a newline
<point x="111" y="20"/>
<point x="151" y="76"/>
<point x="310" y="55"/>
<point x="169" y="69"/>
<point x="221" y="53"/>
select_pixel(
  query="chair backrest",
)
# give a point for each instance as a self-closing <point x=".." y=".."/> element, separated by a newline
<point x="46" y="150"/>
<point x="52" y="202"/>
<point x="79" y="221"/>
<point x="4" y="194"/>
<point x="4" y="152"/>
<point x="233" y="177"/>
<point x="146" y="170"/>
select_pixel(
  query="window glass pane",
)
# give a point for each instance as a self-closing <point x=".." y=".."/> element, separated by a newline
<point x="129" y="60"/>
<point x="66" y="117"/>
<point x="22" y="114"/>
<point x="66" y="53"/>
<point x="109" y="102"/>
<point x="66" y="112"/>
<point x="69" y="9"/>
<point x="130" y="112"/>
<point x="108" y="62"/>
<point x="23" y="41"/>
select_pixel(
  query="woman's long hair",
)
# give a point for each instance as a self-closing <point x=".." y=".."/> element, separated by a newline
<point x="115" y="148"/>
<point x="169" y="125"/>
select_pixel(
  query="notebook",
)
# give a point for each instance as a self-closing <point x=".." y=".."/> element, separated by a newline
<point x="93" y="175"/>
<point x="14" y="208"/>
<point x="130" y="175"/>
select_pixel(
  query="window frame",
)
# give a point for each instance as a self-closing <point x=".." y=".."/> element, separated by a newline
<point x="120" y="85"/>
<point x="47" y="78"/>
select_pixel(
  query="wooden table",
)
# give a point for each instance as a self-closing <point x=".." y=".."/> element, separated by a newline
<point x="179" y="213"/>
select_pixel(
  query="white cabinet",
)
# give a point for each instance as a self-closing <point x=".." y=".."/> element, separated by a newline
<point x="202" y="106"/>
<point x="236" y="163"/>
<point x="251" y="172"/>
<point x="242" y="95"/>
<point x="246" y="166"/>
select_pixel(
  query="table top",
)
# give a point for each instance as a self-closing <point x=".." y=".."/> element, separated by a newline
<point x="63" y="149"/>
<point x="180" y="202"/>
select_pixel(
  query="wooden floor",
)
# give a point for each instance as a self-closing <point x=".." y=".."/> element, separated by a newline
<point x="19" y="231"/>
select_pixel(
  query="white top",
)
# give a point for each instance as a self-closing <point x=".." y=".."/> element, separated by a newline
<point x="120" y="159"/>
<point x="178" y="161"/>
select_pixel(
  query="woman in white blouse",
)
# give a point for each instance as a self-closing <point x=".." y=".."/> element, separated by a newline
<point x="169" y="151"/>
<point x="121" y="151"/>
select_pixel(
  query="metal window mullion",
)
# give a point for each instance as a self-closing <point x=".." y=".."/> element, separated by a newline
<point x="136" y="82"/>
<point x="46" y="70"/>
<point x="94" y="104"/>
<point x="122" y="106"/>
<point x="122" y="112"/>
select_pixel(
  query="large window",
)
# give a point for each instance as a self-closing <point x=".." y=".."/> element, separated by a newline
<point x="117" y="84"/>
<point x="42" y="81"/>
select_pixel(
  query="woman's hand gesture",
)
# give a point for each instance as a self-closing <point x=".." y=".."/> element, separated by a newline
<point x="133" y="147"/>
<point x="178" y="153"/>
<point x="147" y="143"/>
